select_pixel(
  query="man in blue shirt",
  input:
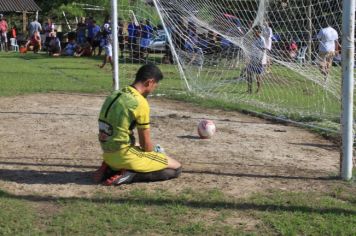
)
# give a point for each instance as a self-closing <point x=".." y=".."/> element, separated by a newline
<point x="93" y="30"/>
<point x="146" y="37"/>
<point x="132" y="33"/>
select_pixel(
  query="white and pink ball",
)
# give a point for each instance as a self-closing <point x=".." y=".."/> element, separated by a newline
<point x="206" y="129"/>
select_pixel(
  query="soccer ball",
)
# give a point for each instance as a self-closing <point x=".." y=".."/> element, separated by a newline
<point x="206" y="129"/>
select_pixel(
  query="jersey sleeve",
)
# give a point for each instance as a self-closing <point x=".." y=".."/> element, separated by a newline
<point x="142" y="115"/>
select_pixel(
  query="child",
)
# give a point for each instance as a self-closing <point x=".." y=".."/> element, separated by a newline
<point x="34" y="42"/>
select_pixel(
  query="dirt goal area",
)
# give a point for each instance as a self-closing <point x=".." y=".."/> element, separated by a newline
<point x="49" y="147"/>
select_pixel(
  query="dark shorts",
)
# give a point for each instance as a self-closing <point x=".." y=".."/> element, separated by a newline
<point x="255" y="68"/>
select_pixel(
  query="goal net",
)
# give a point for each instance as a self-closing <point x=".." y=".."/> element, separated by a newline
<point x="268" y="56"/>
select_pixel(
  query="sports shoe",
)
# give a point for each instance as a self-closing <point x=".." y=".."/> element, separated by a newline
<point x="100" y="173"/>
<point x="121" y="177"/>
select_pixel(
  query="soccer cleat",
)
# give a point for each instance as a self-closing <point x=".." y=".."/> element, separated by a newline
<point x="100" y="173"/>
<point x="121" y="177"/>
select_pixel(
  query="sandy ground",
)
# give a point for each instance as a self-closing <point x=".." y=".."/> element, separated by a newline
<point x="49" y="147"/>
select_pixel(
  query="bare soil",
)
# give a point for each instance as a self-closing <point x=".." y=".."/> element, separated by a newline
<point x="49" y="148"/>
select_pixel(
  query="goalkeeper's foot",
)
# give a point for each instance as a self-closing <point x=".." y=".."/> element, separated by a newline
<point x="121" y="177"/>
<point x="99" y="174"/>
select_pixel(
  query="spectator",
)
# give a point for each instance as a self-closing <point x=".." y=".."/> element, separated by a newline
<point x="3" y="31"/>
<point x="48" y="29"/>
<point x="33" y="27"/>
<point x="293" y="49"/>
<point x="13" y="31"/>
<point x="210" y="42"/>
<point x="83" y="50"/>
<point x="146" y="37"/>
<point x="255" y="66"/>
<point x="132" y="36"/>
<point x="94" y="34"/>
<point x="81" y="28"/>
<point x="267" y="34"/>
<point x="328" y="38"/>
<point x="121" y="37"/>
<point x="203" y="43"/>
<point x="71" y="47"/>
<point x="34" y="43"/>
<point x="54" y="45"/>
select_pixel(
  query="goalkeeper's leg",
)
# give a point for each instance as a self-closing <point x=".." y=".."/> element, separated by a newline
<point x="160" y="175"/>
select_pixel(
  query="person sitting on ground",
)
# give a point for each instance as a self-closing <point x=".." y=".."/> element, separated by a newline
<point x="71" y="47"/>
<point x="83" y="50"/>
<point x="54" y="45"/>
<point x="34" y="43"/>
<point x="122" y="111"/>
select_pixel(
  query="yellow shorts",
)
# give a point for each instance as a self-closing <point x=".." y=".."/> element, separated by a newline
<point x="133" y="158"/>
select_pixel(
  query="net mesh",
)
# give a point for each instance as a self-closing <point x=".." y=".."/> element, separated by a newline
<point x="265" y="54"/>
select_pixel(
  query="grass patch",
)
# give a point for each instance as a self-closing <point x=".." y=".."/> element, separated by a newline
<point x="159" y="212"/>
<point x="17" y="217"/>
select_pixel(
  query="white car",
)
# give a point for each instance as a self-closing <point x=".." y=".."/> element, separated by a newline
<point x="158" y="44"/>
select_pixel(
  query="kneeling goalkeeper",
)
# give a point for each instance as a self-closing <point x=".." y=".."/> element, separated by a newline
<point x="121" y="112"/>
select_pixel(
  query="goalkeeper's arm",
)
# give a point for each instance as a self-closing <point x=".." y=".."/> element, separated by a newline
<point x="145" y="139"/>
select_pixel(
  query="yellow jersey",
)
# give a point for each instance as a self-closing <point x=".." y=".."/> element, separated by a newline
<point x="121" y="112"/>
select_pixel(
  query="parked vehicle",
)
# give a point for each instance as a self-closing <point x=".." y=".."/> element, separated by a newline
<point x="158" y="44"/>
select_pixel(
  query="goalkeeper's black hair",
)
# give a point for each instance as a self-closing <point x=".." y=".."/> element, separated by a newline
<point x="148" y="71"/>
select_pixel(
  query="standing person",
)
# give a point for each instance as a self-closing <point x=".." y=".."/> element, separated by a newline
<point x="121" y="112"/>
<point x="3" y="31"/>
<point x="254" y="68"/>
<point x="132" y="37"/>
<point x="81" y="30"/>
<point x="94" y="35"/>
<point x="14" y="31"/>
<point x="328" y="38"/>
<point x="121" y="38"/>
<point x="48" y="29"/>
<point x="146" y="37"/>
<point x="267" y="34"/>
<point x="33" y="27"/>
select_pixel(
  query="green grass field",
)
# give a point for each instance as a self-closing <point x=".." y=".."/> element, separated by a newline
<point x="142" y="211"/>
